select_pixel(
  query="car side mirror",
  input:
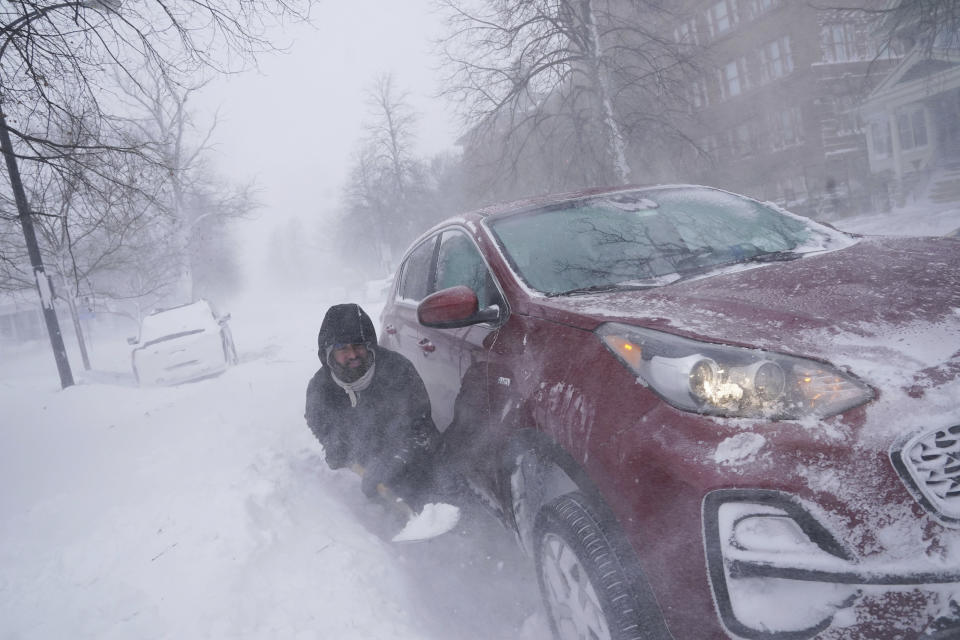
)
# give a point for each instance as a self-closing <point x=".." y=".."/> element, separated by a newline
<point x="454" y="307"/>
<point x="132" y="341"/>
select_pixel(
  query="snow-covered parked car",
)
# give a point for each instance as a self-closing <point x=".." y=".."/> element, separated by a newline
<point x="181" y="344"/>
<point x="705" y="417"/>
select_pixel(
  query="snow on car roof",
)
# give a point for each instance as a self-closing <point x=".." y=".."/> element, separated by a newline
<point x="188" y="317"/>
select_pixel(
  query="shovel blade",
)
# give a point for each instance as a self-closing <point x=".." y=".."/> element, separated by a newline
<point x="434" y="520"/>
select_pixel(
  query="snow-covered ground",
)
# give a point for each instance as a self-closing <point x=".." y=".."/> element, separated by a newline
<point x="922" y="219"/>
<point x="206" y="511"/>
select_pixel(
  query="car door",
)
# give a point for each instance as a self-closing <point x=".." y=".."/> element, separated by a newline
<point x="401" y="330"/>
<point x="476" y="405"/>
<point x="458" y="263"/>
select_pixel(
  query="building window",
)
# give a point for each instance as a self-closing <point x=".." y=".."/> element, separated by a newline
<point x="848" y="116"/>
<point x="686" y="33"/>
<point x="792" y="189"/>
<point x="721" y="17"/>
<point x="845" y="42"/>
<point x="786" y="128"/>
<point x="741" y="140"/>
<point x="912" y="128"/>
<point x="776" y="60"/>
<point x="730" y="80"/>
<point x="708" y="151"/>
<point x="853" y="42"/>
<point x="880" y="138"/>
<point x="758" y="7"/>
<point x="733" y="78"/>
<point x="698" y="94"/>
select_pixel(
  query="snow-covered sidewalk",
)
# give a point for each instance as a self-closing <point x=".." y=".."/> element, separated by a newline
<point x="206" y="511"/>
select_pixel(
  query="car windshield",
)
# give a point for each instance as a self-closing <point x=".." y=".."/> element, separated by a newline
<point x="648" y="238"/>
<point x="191" y="317"/>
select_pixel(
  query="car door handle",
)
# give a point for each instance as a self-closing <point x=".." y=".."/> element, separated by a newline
<point x="427" y="346"/>
<point x="390" y="329"/>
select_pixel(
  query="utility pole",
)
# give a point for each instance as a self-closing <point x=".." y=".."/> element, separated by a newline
<point x="44" y="287"/>
<point x="33" y="249"/>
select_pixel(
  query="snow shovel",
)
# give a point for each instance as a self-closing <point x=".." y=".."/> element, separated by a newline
<point x="435" y="519"/>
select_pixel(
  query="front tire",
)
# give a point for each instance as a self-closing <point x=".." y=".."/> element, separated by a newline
<point x="585" y="588"/>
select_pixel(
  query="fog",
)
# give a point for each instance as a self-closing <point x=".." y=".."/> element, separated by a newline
<point x="206" y="510"/>
<point x="293" y="125"/>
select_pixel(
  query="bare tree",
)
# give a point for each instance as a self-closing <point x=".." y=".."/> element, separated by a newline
<point x="390" y="132"/>
<point x="56" y="58"/>
<point x="147" y="214"/>
<point x="571" y="76"/>
<point x="91" y="229"/>
<point x="189" y="196"/>
<point x="386" y="188"/>
<point x="366" y="205"/>
<point x="902" y="25"/>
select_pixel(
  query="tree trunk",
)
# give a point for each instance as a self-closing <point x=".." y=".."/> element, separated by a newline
<point x="77" y="327"/>
<point x="183" y="230"/>
<point x="616" y="146"/>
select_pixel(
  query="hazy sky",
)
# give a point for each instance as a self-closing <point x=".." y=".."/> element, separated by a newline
<point x="294" y="125"/>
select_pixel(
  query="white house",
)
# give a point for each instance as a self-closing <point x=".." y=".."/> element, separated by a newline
<point x="913" y="120"/>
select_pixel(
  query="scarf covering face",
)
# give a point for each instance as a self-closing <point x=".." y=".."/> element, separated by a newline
<point x="358" y="385"/>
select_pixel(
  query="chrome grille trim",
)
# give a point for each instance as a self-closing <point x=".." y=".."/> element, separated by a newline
<point x="929" y="465"/>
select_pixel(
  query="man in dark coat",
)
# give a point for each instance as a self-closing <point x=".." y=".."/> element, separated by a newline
<point x="368" y="406"/>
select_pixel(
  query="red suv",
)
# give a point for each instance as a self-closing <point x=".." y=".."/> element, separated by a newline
<point x="704" y="416"/>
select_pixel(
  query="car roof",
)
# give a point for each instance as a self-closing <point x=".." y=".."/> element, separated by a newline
<point x="547" y="200"/>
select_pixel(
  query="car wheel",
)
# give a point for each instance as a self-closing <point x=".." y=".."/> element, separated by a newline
<point x="585" y="588"/>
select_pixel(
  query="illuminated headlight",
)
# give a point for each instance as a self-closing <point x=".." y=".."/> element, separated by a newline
<point x="732" y="381"/>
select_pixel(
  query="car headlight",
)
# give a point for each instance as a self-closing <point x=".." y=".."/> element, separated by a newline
<point x="732" y="381"/>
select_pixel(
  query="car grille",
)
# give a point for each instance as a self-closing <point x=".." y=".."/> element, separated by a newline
<point x="929" y="464"/>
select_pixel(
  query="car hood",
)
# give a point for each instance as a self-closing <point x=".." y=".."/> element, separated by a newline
<point x="865" y="289"/>
<point x="887" y="309"/>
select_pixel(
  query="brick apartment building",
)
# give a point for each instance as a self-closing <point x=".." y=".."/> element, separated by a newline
<point x="775" y="107"/>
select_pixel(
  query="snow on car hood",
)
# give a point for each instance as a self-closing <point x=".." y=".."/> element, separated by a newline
<point x="888" y="309"/>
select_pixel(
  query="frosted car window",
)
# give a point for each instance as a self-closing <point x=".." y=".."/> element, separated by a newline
<point x="643" y="238"/>
<point x="416" y="272"/>
<point x="459" y="263"/>
<point x="707" y="218"/>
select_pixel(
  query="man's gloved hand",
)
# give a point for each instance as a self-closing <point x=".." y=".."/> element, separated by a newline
<point x="335" y="453"/>
<point x="380" y="472"/>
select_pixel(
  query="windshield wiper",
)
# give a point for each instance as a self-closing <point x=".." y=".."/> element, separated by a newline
<point x="773" y="256"/>
<point x="627" y="285"/>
